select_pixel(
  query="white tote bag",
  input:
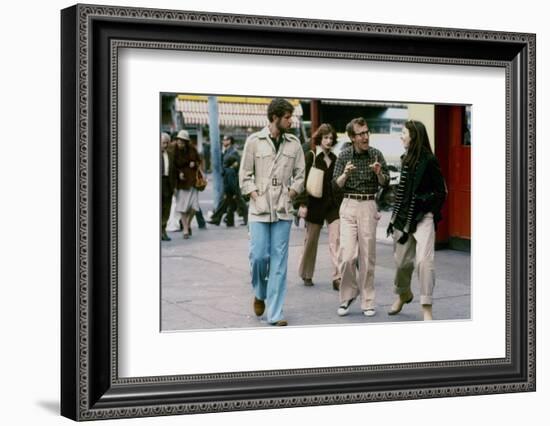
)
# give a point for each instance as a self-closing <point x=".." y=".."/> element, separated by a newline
<point x="314" y="184"/>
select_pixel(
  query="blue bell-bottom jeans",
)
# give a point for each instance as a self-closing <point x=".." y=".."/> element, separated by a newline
<point x="268" y="264"/>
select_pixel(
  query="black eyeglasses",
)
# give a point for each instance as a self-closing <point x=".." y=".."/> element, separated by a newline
<point x="363" y="133"/>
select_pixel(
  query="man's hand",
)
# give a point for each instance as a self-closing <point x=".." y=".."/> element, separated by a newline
<point x="350" y="167"/>
<point x="302" y="212"/>
<point x="376" y="166"/>
<point x="254" y="195"/>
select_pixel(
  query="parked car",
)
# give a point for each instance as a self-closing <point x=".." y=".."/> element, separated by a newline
<point x="385" y="197"/>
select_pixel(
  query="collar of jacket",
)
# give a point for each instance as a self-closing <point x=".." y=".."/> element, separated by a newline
<point x="264" y="134"/>
<point x="319" y="150"/>
<point x="330" y="154"/>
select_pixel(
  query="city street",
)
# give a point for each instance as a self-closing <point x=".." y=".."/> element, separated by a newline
<point x="206" y="282"/>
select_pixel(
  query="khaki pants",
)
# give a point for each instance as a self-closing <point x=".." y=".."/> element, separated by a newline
<point x="417" y="252"/>
<point x="311" y="241"/>
<point x="358" y="221"/>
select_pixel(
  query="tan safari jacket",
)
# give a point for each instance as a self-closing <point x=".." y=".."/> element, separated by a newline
<point x="272" y="174"/>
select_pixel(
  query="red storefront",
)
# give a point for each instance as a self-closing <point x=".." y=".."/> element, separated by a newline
<point x="453" y="150"/>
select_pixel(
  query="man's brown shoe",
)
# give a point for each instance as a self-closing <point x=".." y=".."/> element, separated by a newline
<point x="336" y="284"/>
<point x="308" y="282"/>
<point x="259" y="307"/>
<point x="280" y="323"/>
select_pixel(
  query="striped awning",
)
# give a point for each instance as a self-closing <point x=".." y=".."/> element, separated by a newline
<point x="233" y="111"/>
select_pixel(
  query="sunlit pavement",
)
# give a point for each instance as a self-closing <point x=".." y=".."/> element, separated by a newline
<point x="206" y="282"/>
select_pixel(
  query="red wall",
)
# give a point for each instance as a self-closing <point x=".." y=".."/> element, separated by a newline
<point x="455" y="161"/>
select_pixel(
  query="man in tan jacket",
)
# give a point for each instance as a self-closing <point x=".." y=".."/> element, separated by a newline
<point x="272" y="174"/>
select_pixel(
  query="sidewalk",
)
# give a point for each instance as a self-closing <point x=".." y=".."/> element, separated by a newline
<point x="206" y="283"/>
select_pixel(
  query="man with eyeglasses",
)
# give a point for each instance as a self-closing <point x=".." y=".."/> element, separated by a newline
<point x="359" y="171"/>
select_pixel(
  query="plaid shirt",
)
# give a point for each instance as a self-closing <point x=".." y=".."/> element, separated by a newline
<point x="362" y="180"/>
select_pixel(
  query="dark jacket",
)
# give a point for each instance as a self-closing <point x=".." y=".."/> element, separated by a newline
<point x="231" y="161"/>
<point x="170" y="183"/>
<point x="325" y="208"/>
<point x="182" y="161"/>
<point x="428" y="192"/>
<point x="429" y="188"/>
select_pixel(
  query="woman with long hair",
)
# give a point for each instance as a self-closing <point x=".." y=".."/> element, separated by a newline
<point x="417" y="210"/>
<point x="186" y="163"/>
<point x="316" y="211"/>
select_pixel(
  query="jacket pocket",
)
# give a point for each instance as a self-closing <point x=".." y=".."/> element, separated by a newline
<point x="289" y="158"/>
<point x="262" y="164"/>
<point x="260" y="205"/>
<point x="284" y="205"/>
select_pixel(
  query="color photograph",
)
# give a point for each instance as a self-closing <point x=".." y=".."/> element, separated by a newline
<point x="284" y="211"/>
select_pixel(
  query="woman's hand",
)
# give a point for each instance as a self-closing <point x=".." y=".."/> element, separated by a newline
<point x="292" y="194"/>
<point x="302" y="212"/>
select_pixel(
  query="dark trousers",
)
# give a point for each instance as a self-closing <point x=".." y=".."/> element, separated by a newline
<point x="228" y="205"/>
<point x="200" y="219"/>
<point x="166" y="201"/>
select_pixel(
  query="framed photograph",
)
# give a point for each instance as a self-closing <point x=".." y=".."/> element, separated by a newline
<point x="158" y="320"/>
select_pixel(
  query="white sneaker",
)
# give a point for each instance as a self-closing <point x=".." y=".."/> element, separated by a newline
<point x="343" y="309"/>
<point x="369" y="312"/>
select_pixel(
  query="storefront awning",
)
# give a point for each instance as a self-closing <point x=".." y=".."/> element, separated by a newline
<point x="233" y="111"/>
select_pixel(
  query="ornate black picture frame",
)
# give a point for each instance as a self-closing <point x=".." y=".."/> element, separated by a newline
<point x="91" y="387"/>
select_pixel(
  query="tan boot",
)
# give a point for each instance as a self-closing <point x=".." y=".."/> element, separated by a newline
<point x="401" y="300"/>
<point x="427" y="311"/>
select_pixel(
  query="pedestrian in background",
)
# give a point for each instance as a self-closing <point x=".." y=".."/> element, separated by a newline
<point x="201" y="222"/>
<point x="417" y="210"/>
<point x="317" y="211"/>
<point x="187" y="162"/>
<point x="206" y="154"/>
<point x="232" y="199"/>
<point x="168" y="184"/>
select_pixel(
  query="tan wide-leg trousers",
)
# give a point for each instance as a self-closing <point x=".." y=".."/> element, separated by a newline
<point x="417" y="252"/>
<point x="311" y="241"/>
<point x="358" y="221"/>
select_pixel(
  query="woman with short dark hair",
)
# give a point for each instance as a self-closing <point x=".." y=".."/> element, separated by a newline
<point x="417" y="210"/>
